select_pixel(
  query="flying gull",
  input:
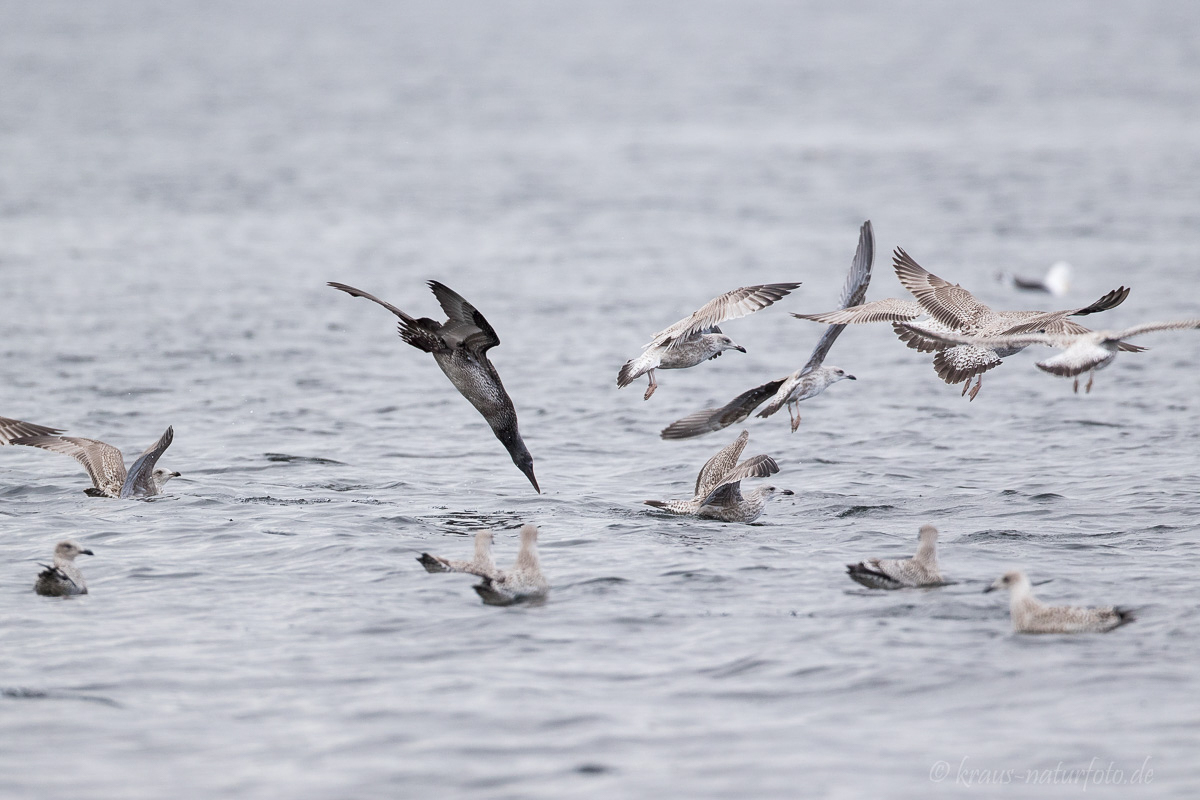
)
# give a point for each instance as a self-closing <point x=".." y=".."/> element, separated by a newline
<point x="897" y="573"/>
<point x="459" y="346"/>
<point x="1031" y="616"/>
<point x="106" y="466"/>
<point x="1081" y="352"/>
<point x="523" y="582"/>
<point x="698" y="338"/>
<point x="718" y="487"/>
<point x="951" y="308"/>
<point x="809" y="381"/>
<point x="63" y="577"/>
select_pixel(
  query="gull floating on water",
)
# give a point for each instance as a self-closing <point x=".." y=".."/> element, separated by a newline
<point x="1081" y="352"/>
<point x="1031" y="616"/>
<point x="952" y="309"/>
<point x="718" y="492"/>
<point x="898" y="573"/>
<point x="698" y="338"/>
<point x="459" y="346"/>
<point x="1057" y="280"/>
<point x="106" y="466"/>
<point x="523" y="582"/>
<point x="63" y="578"/>
<point x="481" y="565"/>
<point x="806" y="382"/>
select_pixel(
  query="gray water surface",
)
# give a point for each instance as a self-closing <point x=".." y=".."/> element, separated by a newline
<point x="177" y="183"/>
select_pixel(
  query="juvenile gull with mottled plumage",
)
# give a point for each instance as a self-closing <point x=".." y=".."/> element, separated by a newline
<point x="718" y="492"/>
<point x="62" y="578"/>
<point x="1031" y="616"/>
<point x="106" y="466"/>
<point x="1081" y="352"/>
<point x="898" y="573"/>
<point x="697" y="338"/>
<point x="523" y="582"/>
<point x="951" y="308"/>
<point x="806" y="382"/>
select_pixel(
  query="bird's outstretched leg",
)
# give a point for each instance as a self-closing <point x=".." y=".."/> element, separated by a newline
<point x="1076" y="384"/>
<point x="966" y="386"/>
<point x="796" y="418"/>
<point x="978" y="386"/>
<point x="653" y="385"/>
<point x="1091" y="377"/>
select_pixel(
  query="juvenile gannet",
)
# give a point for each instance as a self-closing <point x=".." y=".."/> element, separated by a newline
<point x="809" y="381"/>
<point x="718" y="487"/>
<point x="1031" y="616"/>
<point x="459" y="346"/>
<point x="897" y="573"/>
<point x="698" y="338"/>
<point x="951" y="308"/>
<point x="1081" y="352"/>
<point x="63" y="577"/>
<point x="106" y="466"/>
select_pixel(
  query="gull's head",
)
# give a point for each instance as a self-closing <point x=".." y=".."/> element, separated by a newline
<point x="927" y="535"/>
<point x="1009" y="580"/>
<point x="729" y="344"/>
<point x="68" y="550"/>
<point x="161" y="476"/>
<point x="839" y="374"/>
<point x="769" y="492"/>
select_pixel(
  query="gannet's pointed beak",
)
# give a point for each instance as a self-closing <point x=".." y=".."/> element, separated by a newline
<point x="532" y="479"/>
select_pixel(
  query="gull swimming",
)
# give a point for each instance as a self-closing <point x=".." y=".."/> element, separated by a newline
<point x="459" y="346"/>
<point x="106" y="466"/>
<point x="481" y="565"/>
<point x="1081" y="352"/>
<point x="898" y="573"/>
<point x="15" y="429"/>
<point x="523" y="582"/>
<point x="807" y="382"/>
<point x="1031" y="616"/>
<point x="951" y="308"/>
<point x="63" y="578"/>
<point x="1057" y="280"/>
<point x="698" y="338"/>
<point x="718" y="487"/>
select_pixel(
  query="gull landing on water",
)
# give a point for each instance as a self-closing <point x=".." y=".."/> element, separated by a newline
<point x="898" y="573"/>
<point x="1081" y="352"/>
<point x="523" y="582"/>
<point x="718" y="487"/>
<point x="952" y="309"/>
<point x="63" y="578"/>
<point x="106" y="466"/>
<point x="698" y="338"/>
<point x="1031" y="616"/>
<point x="459" y="346"/>
<point x="806" y="382"/>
